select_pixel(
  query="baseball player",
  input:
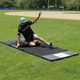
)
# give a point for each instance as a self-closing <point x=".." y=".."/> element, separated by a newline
<point x="28" y="33"/>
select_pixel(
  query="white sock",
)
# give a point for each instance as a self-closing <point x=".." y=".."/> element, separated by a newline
<point x="48" y="44"/>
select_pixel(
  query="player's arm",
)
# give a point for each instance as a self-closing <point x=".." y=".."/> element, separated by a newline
<point x="18" y="41"/>
<point x="36" y="18"/>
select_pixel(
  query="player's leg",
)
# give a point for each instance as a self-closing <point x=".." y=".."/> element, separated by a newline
<point x="36" y="37"/>
<point x="31" y="41"/>
<point x="32" y="44"/>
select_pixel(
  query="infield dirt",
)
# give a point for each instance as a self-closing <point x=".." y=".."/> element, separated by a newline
<point x="58" y="15"/>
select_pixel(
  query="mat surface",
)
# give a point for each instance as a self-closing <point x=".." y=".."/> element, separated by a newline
<point x="41" y="50"/>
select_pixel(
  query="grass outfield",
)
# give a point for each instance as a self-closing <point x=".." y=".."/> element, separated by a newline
<point x="19" y="65"/>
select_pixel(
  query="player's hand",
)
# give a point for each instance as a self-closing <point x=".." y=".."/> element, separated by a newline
<point x="17" y="46"/>
<point x="40" y="14"/>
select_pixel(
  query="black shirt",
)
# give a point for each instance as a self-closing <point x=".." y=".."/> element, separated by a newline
<point x="25" y="29"/>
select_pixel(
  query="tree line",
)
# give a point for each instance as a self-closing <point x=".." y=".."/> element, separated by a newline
<point x="33" y="4"/>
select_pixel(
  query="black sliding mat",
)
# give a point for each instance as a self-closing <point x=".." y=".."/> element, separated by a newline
<point x="41" y="50"/>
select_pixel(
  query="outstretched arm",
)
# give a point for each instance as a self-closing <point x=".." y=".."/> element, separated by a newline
<point x="18" y="42"/>
<point x="37" y="18"/>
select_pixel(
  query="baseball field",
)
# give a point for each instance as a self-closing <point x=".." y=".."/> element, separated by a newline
<point x="59" y="27"/>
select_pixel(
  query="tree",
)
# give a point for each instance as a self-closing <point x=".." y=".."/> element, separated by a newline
<point x="72" y="4"/>
<point x="6" y="3"/>
<point x="61" y="3"/>
<point x="32" y="4"/>
<point x="41" y="3"/>
<point x="20" y="4"/>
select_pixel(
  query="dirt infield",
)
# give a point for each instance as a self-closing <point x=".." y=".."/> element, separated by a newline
<point x="58" y="15"/>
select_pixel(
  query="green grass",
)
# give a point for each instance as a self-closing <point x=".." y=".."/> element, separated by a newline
<point x="71" y="12"/>
<point x="18" y="65"/>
